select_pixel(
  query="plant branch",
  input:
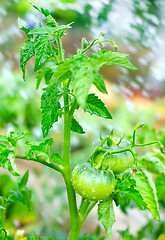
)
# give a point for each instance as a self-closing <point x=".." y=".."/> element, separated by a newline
<point x="146" y="144"/>
<point x="98" y="41"/>
<point x="50" y="165"/>
<point x="83" y="208"/>
<point x="91" y="206"/>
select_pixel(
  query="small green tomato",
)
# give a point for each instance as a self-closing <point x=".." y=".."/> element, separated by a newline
<point x="118" y="162"/>
<point x="91" y="183"/>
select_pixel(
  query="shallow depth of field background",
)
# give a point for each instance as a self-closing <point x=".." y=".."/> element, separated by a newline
<point x="137" y="27"/>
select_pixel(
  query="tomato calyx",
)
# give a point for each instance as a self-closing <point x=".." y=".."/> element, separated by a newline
<point x="117" y="157"/>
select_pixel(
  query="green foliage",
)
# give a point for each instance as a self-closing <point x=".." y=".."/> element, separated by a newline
<point x="14" y="192"/>
<point x="43" y="52"/>
<point x="126" y="235"/>
<point x="160" y="187"/>
<point x="41" y="151"/>
<point x="34" y="237"/>
<point x="95" y="106"/>
<point x="51" y="107"/>
<point x="152" y="162"/>
<point x="127" y="186"/>
<point x="27" y="51"/>
<point x="146" y="187"/>
<point x="55" y="157"/>
<point x="7" y="154"/>
<point x="93" y="236"/>
<point x="76" y="127"/>
<point x="99" y="84"/>
<point x="111" y="58"/>
<point x="106" y="215"/>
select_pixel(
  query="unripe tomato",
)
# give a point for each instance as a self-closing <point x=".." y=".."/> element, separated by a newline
<point x="118" y="162"/>
<point x="91" y="183"/>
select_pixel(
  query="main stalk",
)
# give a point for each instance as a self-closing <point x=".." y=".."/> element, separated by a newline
<point x="75" y="224"/>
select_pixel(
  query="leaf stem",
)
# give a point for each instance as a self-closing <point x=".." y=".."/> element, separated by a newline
<point x="3" y="211"/>
<point x="83" y="208"/>
<point x="146" y="144"/>
<point x="96" y="41"/>
<point x="91" y="206"/>
<point x="58" y="168"/>
<point x="99" y="147"/>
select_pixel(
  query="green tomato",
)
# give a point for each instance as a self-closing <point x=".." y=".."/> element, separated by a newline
<point x="91" y="183"/>
<point x="118" y="162"/>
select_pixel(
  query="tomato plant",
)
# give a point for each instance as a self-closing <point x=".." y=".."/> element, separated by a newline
<point x="67" y="84"/>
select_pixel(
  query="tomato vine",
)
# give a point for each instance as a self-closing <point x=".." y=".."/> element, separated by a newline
<point x="67" y="89"/>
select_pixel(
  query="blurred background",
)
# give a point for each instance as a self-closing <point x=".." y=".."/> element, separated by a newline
<point x="137" y="27"/>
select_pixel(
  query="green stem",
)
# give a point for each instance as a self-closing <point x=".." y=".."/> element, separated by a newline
<point x="3" y="212"/>
<point x="134" y="135"/>
<point x="99" y="147"/>
<point x="75" y="224"/>
<point x="54" y="55"/>
<point x="50" y="165"/>
<point x="60" y="51"/>
<point x="96" y="41"/>
<point x="4" y="235"/>
<point x="83" y="208"/>
<point x="146" y="144"/>
<point x="74" y="219"/>
<point x="91" y="206"/>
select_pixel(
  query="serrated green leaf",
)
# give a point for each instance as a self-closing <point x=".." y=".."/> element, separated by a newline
<point x="111" y="58"/>
<point x="50" y="106"/>
<point x="76" y="127"/>
<point x="126" y="185"/>
<point x="106" y="215"/>
<point x="24" y="180"/>
<point x="34" y="6"/>
<point x="160" y="186"/>
<point x="49" y="30"/>
<point x="17" y="195"/>
<point x="83" y="77"/>
<point x="56" y="158"/>
<point x="61" y="70"/>
<point x="135" y="196"/>
<point x="22" y="27"/>
<point x="3" y="138"/>
<point x="42" y="150"/>
<point x="12" y="167"/>
<point x="46" y="12"/>
<point x="7" y="161"/>
<point x="99" y="83"/>
<point x="43" y="52"/>
<point x="14" y="137"/>
<point x="145" y="186"/>
<point x="27" y="51"/>
<point x="42" y="74"/>
<point x="95" y="106"/>
<point x="152" y="163"/>
<point x="26" y="195"/>
<point x="125" y="181"/>
<point x="50" y="21"/>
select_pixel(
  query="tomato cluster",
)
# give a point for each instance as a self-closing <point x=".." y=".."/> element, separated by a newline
<point x="97" y="184"/>
<point x="118" y="162"/>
